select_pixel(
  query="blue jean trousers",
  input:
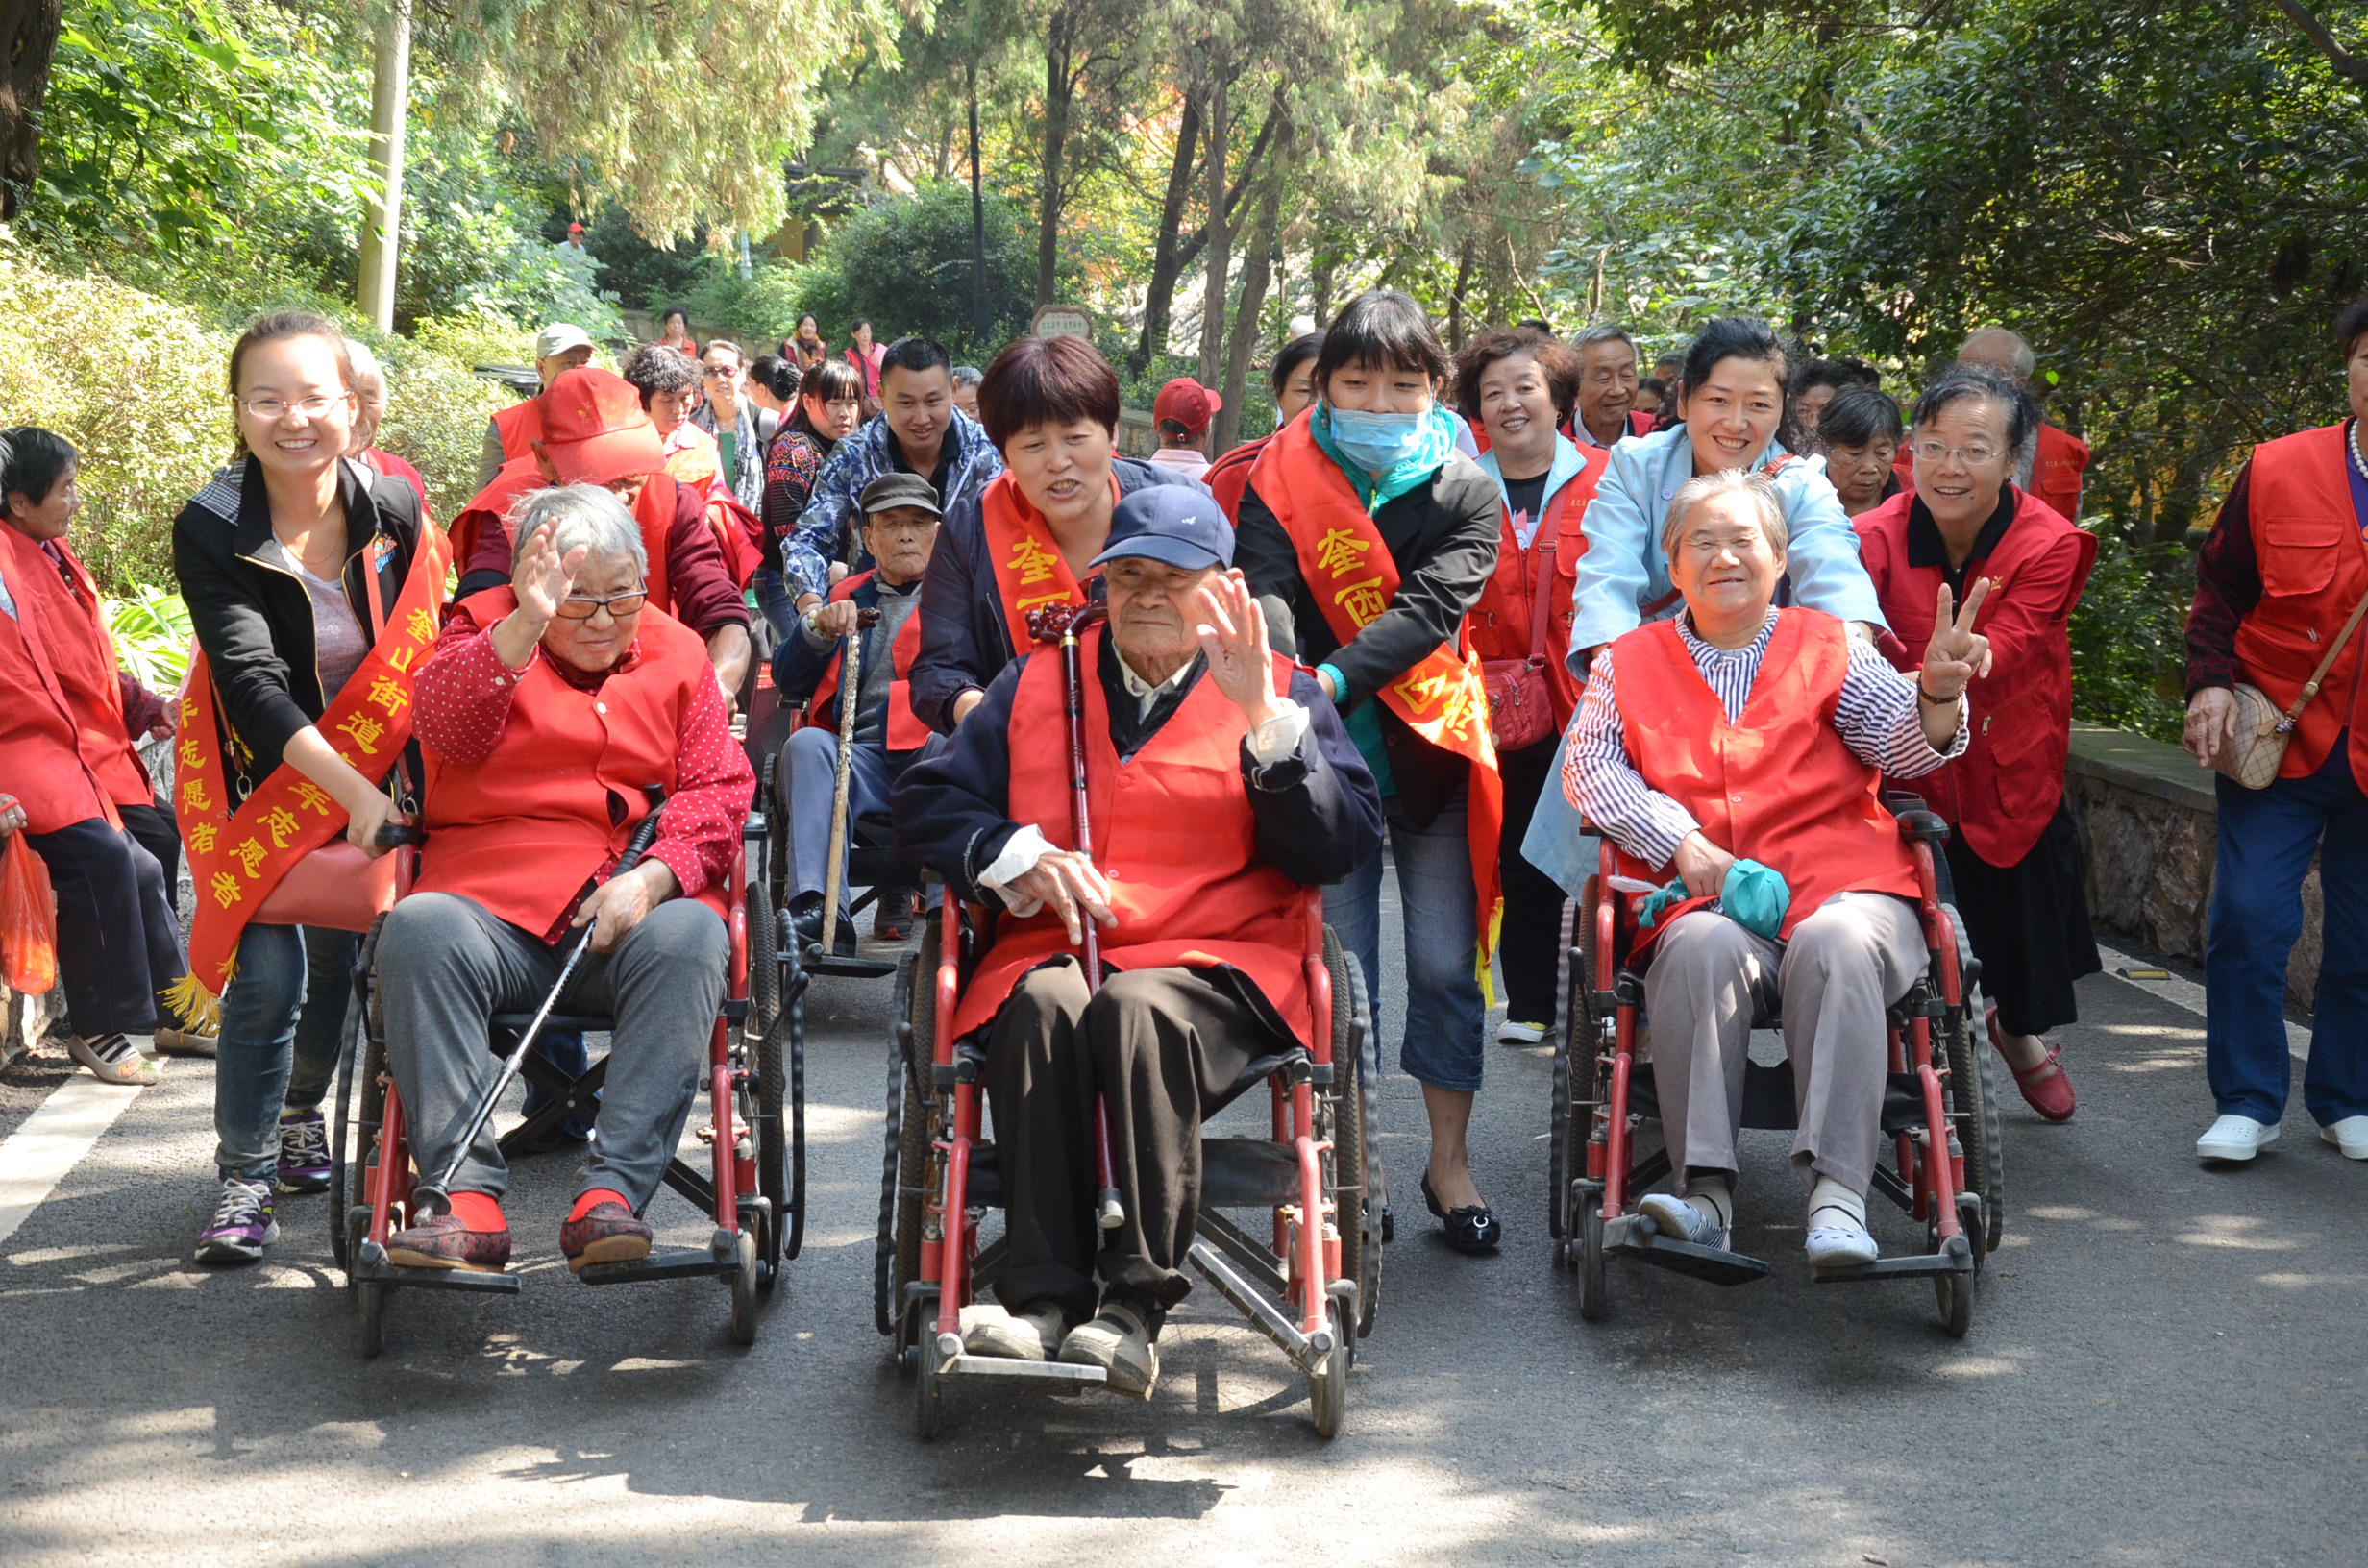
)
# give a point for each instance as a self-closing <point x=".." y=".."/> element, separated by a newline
<point x="281" y="1022"/>
<point x="2266" y="838"/>
<point x="1444" y="1018"/>
<point x="774" y="598"/>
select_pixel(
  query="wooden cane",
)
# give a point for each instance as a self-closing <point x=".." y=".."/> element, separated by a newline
<point x="850" y="693"/>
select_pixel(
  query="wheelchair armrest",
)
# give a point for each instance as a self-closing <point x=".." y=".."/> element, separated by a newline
<point x="1918" y="825"/>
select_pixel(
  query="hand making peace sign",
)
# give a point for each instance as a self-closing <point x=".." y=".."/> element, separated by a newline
<point x="1952" y="659"/>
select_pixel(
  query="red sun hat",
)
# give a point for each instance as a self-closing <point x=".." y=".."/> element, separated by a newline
<point x="595" y="431"/>
<point x="1188" y="403"/>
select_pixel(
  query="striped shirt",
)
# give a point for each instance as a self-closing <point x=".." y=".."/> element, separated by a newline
<point x="1876" y="719"/>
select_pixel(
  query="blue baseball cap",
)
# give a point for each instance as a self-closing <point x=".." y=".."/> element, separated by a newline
<point x="1178" y="524"/>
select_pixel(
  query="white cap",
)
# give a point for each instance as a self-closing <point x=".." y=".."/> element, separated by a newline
<point x="559" y="339"/>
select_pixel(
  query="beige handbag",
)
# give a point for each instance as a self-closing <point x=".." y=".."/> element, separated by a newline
<point x="2263" y="732"/>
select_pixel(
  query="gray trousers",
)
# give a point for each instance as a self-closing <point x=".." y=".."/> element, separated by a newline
<point x="1710" y="978"/>
<point x="446" y="964"/>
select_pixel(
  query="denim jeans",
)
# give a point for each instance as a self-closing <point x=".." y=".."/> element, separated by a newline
<point x="1442" y="1045"/>
<point x="774" y="598"/>
<point x="281" y="1022"/>
<point x="2265" y="842"/>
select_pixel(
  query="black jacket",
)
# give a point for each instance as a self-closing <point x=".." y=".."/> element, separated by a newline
<point x="255" y="621"/>
<point x="1319" y="815"/>
<point x="965" y="638"/>
<point x="1442" y="536"/>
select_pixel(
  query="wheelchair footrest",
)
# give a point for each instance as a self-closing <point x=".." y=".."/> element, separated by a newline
<point x="664" y="1264"/>
<point x="1634" y="1236"/>
<point x="856" y="969"/>
<point x="370" y="1263"/>
<point x="1059" y="1374"/>
<point x="1955" y="1258"/>
<point x="1309" y="1351"/>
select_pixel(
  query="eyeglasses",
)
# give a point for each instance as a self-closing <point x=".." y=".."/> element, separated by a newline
<point x="727" y="371"/>
<point x="312" y="407"/>
<point x="1932" y="452"/>
<point x="582" y="607"/>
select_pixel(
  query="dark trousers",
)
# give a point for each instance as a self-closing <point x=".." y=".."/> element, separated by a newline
<point x="160" y="837"/>
<point x="1168" y="1046"/>
<point x="118" y="942"/>
<point x="1529" y="941"/>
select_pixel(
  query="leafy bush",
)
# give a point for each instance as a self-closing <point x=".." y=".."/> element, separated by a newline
<point x="905" y="263"/>
<point x="437" y="408"/>
<point x="152" y="633"/>
<point x="2127" y="638"/>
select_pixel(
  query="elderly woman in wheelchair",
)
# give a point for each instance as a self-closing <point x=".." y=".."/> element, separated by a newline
<point x="547" y="709"/>
<point x="1739" y="746"/>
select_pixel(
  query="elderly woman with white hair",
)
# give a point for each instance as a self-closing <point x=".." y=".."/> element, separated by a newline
<point x="369" y="413"/>
<point x="1737" y="732"/>
<point x="546" y="709"/>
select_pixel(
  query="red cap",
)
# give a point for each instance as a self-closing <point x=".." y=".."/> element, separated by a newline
<point x="575" y="228"/>
<point x="1188" y="403"/>
<point x="594" y="429"/>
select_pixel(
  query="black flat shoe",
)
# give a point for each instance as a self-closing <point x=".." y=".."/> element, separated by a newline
<point x="1473" y="1228"/>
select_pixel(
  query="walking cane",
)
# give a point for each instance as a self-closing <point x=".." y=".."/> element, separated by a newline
<point x="1063" y="622"/>
<point x="434" y="1197"/>
<point x="851" y="689"/>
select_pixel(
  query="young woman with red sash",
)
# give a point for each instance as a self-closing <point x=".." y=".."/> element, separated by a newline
<point x="313" y="585"/>
<point x="2013" y="852"/>
<point x="1374" y="538"/>
<point x="76" y="789"/>
<point x="1292" y="379"/>
<point x="1517" y="386"/>
<point x="2283" y="569"/>
<point x="1050" y="404"/>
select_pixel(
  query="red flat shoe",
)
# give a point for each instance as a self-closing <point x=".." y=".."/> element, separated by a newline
<point x="2046" y="1087"/>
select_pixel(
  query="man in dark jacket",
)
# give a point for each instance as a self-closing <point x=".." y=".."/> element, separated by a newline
<point x="1232" y="791"/>
<point x="900" y="529"/>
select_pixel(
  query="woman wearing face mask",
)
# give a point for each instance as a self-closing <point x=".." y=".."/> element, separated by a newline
<point x="308" y="579"/>
<point x="1730" y="401"/>
<point x="1293" y="377"/>
<point x="829" y="395"/>
<point x="1372" y="538"/>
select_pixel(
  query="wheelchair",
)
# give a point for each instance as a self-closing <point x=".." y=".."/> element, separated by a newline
<point x="1309" y="1279"/>
<point x="1941" y="1108"/>
<point x="751" y="1188"/>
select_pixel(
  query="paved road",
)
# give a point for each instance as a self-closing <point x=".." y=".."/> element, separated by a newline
<point x="2166" y="1368"/>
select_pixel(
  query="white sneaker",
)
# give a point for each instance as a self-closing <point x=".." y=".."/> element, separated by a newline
<point x="2236" y="1137"/>
<point x="1521" y="1034"/>
<point x="2350" y="1135"/>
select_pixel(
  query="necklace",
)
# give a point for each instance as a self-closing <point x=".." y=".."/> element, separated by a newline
<point x="2358" y="461"/>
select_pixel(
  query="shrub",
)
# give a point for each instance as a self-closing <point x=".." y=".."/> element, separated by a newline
<point x="905" y="262"/>
<point x="152" y="634"/>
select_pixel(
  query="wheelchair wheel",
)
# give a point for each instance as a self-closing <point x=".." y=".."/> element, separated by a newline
<point x="1356" y="1150"/>
<point x="746" y="1288"/>
<point x="896" y="1253"/>
<point x="360" y="1102"/>
<point x="1594" y="1299"/>
<point x="1954" y="1293"/>
<point x="1973" y="1092"/>
<point x="1564" y="1137"/>
<point x="1327" y="1396"/>
<point x="772" y="1174"/>
<point x="370" y="1317"/>
<point x="928" y="1411"/>
<point x="764" y="967"/>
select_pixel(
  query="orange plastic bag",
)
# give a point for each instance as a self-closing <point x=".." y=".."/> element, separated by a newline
<point x="28" y="920"/>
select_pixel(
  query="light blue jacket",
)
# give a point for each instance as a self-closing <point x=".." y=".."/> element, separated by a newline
<point x="1567" y="466"/>
<point x="1624" y="570"/>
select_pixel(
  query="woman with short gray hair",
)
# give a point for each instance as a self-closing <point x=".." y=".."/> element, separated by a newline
<point x="589" y="515"/>
<point x="370" y="398"/>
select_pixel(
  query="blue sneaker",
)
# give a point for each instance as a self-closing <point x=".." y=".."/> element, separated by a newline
<point x="304" y="1152"/>
<point x="243" y="1224"/>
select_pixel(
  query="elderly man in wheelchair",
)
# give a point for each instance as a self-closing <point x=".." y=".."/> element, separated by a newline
<point x="546" y="711"/>
<point x="1222" y="786"/>
<point x="1740" y="746"/>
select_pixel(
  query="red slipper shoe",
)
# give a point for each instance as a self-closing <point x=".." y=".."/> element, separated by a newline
<point x="2047" y="1088"/>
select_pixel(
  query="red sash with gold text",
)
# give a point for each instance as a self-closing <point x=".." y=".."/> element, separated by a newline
<point x="1348" y="569"/>
<point x="1029" y="572"/>
<point x="237" y="856"/>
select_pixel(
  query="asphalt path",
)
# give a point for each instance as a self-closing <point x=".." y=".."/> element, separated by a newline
<point x="2166" y="1367"/>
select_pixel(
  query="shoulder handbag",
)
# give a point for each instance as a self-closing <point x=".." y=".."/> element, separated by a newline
<point x="2263" y="732"/>
<point x="1520" y="707"/>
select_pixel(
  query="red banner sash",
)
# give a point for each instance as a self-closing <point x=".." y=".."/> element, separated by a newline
<point x="1029" y="572"/>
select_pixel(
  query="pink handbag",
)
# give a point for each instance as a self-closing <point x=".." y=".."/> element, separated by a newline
<point x="1521" y="705"/>
<point x="337" y="887"/>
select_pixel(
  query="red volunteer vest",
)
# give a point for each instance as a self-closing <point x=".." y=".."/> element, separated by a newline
<point x="1499" y="622"/>
<point x="521" y="831"/>
<point x="518" y="425"/>
<point x="2057" y="468"/>
<point x="486" y="519"/>
<point x="1777" y="785"/>
<point x="1229" y="476"/>
<point x="1173" y="833"/>
<point x="64" y="752"/>
<point x="2001" y="794"/>
<point x="1030" y="572"/>
<point x="905" y="730"/>
<point x="2314" y="568"/>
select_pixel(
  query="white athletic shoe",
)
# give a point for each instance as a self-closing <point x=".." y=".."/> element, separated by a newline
<point x="2350" y="1135"/>
<point x="2234" y="1138"/>
<point x="1521" y="1034"/>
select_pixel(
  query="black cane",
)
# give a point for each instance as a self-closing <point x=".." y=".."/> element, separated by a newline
<point x="430" y="1197"/>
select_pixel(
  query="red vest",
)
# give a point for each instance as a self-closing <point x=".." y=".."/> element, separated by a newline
<point x="2001" y="794"/>
<point x="905" y="730"/>
<point x="517" y="425"/>
<point x="1229" y="476"/>
<point x="2307" y="539"/>
<point x="1777" y="785"/>
<point x="1499" y="622"/>
<point x="480" y="533"/>
<point x="64" y="752"/>
<point x="523" y="830"/>
<point x="1173" y="833"/>
<point x="2055" y="471"/>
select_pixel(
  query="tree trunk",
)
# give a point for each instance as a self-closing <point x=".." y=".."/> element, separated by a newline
<point x="1160" y="301"/>
<point x="1247" y="331"/>
<point x="28" y="41"/>
<point x="1320" y="281"/>
<point x="1050" y="198"/>
<point x="382" y="226"/>
<point x="1455" y="301"/>
<point x="1220" y="241"/>
<point x="982" y="310"/>
<point x="1188" y="247"/>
